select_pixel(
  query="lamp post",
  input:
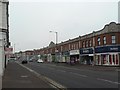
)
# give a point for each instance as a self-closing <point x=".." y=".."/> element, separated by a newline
<point x="56" y="42"/>
<point x="56" y="35"/>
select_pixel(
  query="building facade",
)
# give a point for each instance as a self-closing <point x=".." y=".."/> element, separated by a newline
<point x="4" y="33"/>
<point x="4" y="36"/>
<point x="100" y="47"/>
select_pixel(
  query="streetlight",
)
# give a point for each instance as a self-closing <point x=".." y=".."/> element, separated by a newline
<point x="56" y="35"/>
<point x="56" y="42"/>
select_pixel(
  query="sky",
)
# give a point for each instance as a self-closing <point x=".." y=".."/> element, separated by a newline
<point x="31" y="20"/>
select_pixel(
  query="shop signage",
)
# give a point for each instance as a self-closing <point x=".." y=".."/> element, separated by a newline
<point x="86" y="51"/>
<point x="74" y="52"/>
<point x="114" y="49"/>
<point x="107" y="49"/>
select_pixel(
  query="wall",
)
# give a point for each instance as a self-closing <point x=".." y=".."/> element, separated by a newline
<point x="3" y="29"/>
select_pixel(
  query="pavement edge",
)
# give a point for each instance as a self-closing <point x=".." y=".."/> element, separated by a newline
<point x="51" y="82"/>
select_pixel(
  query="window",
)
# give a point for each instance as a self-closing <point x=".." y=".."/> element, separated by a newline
<point x="72" y="46"/>
<point x="61" y="48"/>
<point x="98" y="40"/>
<point x="90" y="43"/>
<point x="77" y="45"/>
<point x="86" y="43"/>
<point x="69" y="46"/>
<point x="83" y="44"/>
<point x="113" y="39"/>
<point x="104" y="40"/>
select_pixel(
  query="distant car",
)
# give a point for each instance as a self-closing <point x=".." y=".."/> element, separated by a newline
<point x="24" y="62"/>
<point x="11" y="60"/>
<point x="40" y="61"/>
<point x="31" y="60"/>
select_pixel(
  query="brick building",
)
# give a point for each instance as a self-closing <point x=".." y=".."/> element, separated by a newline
<point x="100" y="47"/>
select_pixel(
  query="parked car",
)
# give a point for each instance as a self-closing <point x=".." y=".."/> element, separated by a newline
<point x="31" y="60"/>
<point x="39" y="61"/>
<point x="24" y="62"/>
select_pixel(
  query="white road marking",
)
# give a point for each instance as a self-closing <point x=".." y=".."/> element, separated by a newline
<point x="78" y="74"/>
<point x="66" y="71"/>
<point x="24" y="76"/>
<point x="53" y="83"/>
<point x="46" y="79"/>
<point x="108" y="81"/>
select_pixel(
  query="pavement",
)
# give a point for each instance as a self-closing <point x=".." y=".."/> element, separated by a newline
<point x="16" y="76"/>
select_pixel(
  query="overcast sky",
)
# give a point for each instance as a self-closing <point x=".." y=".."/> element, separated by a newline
<point x="31" y="20"/>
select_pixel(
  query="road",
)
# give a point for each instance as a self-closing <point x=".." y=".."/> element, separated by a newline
<point x="76" y="77"/>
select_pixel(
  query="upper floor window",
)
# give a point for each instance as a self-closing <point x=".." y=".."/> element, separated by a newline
<point x="98" y="40"/>
<point x="72" y="46"/>
<point x="61" y="48"/>
<point x="69" y="46"/>
<point x="83" y="44"/>
<point x="86" y="43"/>
<point x="77" y="45"/>
<point x="90" y="43"/>
<point x="113" y="39"/>
<point x="104" y="40"/>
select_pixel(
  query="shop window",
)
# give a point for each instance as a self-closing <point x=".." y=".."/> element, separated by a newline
<point x="113" y="39"/>
<point x="98" y="40"/>
<point x="104" y="40"/>
<point x="117" y="59"/>
<point x="110" y="59"/>
<point x="104" y="59"/>
<point x="98" y="60"/>
<point x="113" y="59"/>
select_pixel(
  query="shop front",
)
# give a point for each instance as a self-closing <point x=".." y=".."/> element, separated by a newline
<point x="74" y="56"/>
<point x="49" y="58"/>
<point x="107" y="55"/>
<point x="86" y="56"/>
<point x="65" y="56"/>
<point x="58" y="57"/>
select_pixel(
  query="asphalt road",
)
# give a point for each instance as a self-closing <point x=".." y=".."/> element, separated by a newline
<point x="76" y="77"/>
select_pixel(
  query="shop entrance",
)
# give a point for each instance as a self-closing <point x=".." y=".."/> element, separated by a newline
<point x="86" y="59"/>
<point x="74" y="59"/>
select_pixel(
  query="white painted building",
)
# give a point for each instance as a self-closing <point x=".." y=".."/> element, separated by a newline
<point x="3" y="33"/>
